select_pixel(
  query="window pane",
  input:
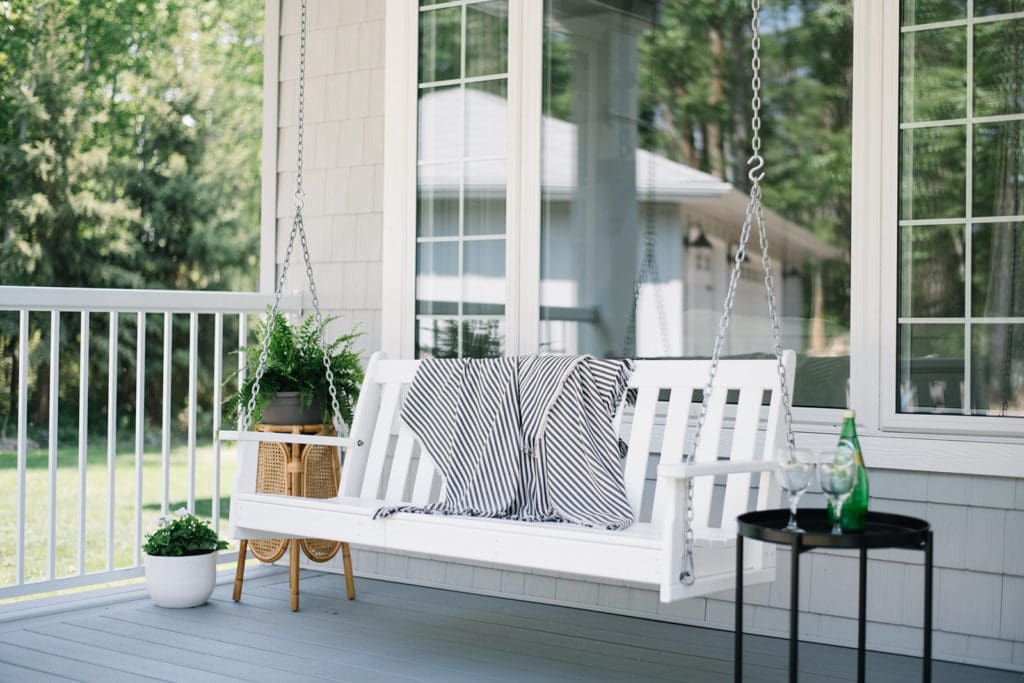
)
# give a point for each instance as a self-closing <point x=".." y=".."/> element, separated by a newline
<point x="644" y="144"/>
<point x="440" y="44"/>
<point x="933" y="78"/>
<point x="437" y="200"/>
<point x="932" y="175"/>
<point x="932" y="271"/>
<point x="485" y="198"/>
<point x="437" y="277"/>
<point x="437" y="338"/>
<point x="931" y="368"/>
<point x="486" y="38"/>
<point x="997" y="266"/>
<point x="483" y="339"/>
<point x="998" y="74"/>
<point x="989" y="7"/>
<point x="997" y="370"/>
<point x="999" y="169"/>
<point x="483" y="279"/>
<point x="486" y="113"/>
<point x="928" y="11"/>
<point x="440" y="123"/>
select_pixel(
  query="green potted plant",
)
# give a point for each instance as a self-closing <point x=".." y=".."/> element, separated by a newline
<point x="294" y="387"/>
<point x="181" y="560"/>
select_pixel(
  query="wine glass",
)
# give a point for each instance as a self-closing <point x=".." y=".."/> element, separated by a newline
<point x="793" y="470"/>
<point x="837" y="475"/>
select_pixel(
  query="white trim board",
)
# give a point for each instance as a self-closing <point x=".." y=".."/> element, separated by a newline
<point x="401" y="26"/>
<point x="268" y="173"/>
<point x="929" y="453"/>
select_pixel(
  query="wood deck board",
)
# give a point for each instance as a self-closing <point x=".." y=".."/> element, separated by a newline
<point x="398" y="633"/>
<point x="302" y="643"/>
<point x="460" y="650"/>
<point x="547" y="640"/>
<point x="646" y="637"/>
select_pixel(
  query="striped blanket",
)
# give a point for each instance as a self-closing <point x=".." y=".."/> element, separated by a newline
<point x="528" y="438"/>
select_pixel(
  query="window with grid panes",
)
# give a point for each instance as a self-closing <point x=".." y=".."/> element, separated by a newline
<point x="961" y="208"/>
<point x="461" y="178"/>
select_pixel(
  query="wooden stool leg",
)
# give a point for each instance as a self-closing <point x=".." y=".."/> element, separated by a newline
<point x="243" y="547"/>
<point x="293" y="573"/>
<point x="350" y="581"/>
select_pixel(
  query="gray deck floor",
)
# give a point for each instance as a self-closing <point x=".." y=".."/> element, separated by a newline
<point x="394" y="633"/>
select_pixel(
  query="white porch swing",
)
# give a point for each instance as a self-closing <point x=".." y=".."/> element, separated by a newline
<point x="684" y="547"/>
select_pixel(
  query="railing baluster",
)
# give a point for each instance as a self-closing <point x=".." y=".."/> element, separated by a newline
<point x="140" y="415"/>
<point x="53" y="399"/>
<point x="22" y="439"/>
<point x="83" y="434"/>
<point x="165" y="432"/>
<point x="218" y="371"/>
<point x="111" y="437"/>
<point x="193" y="341"/>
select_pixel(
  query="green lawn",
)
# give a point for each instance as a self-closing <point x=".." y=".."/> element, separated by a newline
<point x="97" y="497"/>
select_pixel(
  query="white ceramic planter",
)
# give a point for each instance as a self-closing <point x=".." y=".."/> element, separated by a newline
<point x="181" y="581"/>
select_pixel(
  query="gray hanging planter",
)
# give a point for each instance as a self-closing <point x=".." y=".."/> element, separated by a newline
<point x="286" y="409"/>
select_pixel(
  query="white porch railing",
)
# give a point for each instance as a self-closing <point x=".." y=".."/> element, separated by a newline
<point x="86" y="304"/>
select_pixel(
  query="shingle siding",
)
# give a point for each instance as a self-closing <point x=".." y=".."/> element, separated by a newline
<point x="343" y="158"/>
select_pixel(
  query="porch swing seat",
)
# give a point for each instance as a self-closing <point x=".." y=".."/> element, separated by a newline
<point x="682" y="541"/>
<point x="385" y="466"/>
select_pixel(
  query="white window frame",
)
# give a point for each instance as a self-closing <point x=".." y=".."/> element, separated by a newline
<point x="933" y="443"/>
<point x="879" y="197"/>
<point x="522" y="206"/>
<point x="268" y="169"/>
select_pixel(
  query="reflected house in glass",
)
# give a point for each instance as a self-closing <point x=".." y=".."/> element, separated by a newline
<point x="694" y="214"/>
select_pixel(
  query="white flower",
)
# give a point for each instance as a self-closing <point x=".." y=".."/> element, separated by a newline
<point x="161" y="520"/>
<point x="181" y="512"/>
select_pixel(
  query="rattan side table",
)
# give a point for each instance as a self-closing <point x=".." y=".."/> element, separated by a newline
<point x="310" y="471"/>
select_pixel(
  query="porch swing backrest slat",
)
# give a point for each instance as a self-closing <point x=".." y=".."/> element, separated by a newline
<point x="382" y="432"/>
<point x="401" y="466"/>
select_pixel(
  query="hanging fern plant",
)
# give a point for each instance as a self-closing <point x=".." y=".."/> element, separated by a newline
<point x="295" y="363"/>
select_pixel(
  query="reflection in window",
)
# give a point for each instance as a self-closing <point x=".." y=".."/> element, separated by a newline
<point x="961" y="278"/>
<point x="644" y="147"/>
<point x="461" y="179"/>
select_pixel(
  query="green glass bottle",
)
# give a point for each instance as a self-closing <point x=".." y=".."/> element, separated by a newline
<point x="856" y="506"/>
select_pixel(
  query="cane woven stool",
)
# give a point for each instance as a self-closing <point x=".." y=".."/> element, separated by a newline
<point x="310" y="471"/>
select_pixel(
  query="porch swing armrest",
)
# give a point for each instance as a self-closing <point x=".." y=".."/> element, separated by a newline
<point x="685" y="471"/>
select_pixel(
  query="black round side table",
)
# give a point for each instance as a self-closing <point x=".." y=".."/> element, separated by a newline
<point x="882" y="530"/>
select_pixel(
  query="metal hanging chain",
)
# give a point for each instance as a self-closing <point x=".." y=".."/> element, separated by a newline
<point x="648" y="270"/>
<point x="298" y="228"/>
<point x="648" y="273"/>
<point x="754" y="213"/>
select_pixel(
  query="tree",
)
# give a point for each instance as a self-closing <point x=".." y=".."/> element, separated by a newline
<point x="695" y="108"/>
<point x="130" y="142"/>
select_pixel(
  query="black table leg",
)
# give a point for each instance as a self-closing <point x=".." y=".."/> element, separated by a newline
<point x="738" y="638"/>
<point x="926" y="675"/>
<point x="862" y="611"/>
<point x="794" y="608"/>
